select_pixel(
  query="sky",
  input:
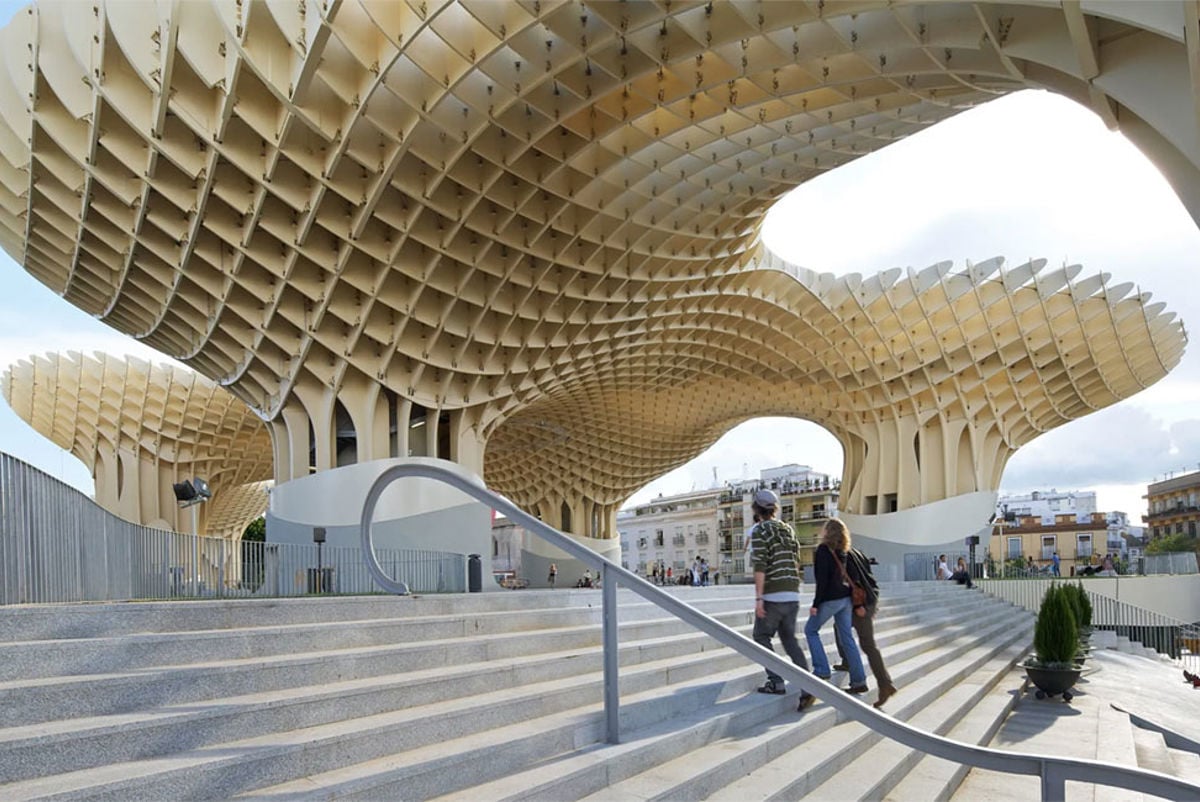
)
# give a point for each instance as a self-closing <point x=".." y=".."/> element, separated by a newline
<point x="1028" y="175"/>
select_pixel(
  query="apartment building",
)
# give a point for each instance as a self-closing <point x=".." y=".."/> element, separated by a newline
<point x="1173" y="506"/>
<point x="1079" y="539"/>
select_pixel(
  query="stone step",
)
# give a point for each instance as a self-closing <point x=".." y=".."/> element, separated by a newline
<point x="940" y="712"/>
<point x="1152" y="752"/>
<point x="820" y="769"/>
<point x="383" y="718"/>
<point x="934" y="778"/>
<point x="1115" y="747"/>
<point x="733" y="751"/>
<point x="32" y="659"/>
<point x="1185" y="764"/>
<point x="70" y="745"/>
<point x="33" y="700"/>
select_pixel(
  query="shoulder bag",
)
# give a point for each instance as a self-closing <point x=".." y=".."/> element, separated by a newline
<point x="858" y="594"/>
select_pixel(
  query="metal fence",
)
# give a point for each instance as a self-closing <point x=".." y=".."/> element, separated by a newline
<point x="1166" y="635"/>
<point x="1173" y="563"/>
<point x="57" y="545"/>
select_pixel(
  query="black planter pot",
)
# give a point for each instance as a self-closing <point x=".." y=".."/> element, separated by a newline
<point x="1053" y="681"/>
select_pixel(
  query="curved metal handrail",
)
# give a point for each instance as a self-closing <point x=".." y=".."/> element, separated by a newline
<point x="1054" y="771"/>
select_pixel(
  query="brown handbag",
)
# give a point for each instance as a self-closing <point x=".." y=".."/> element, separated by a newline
<point x="858" y="594"/>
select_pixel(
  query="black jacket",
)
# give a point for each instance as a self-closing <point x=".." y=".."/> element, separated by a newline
<point x="859" y="569"/>
<point x="830" y="585"/>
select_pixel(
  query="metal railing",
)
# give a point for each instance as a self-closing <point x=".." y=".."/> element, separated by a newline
<point x="1170" y="563"/>
<point x="57" y="545"/>
<point x="1053" y="771"/>
<point x="1168" y="636"/>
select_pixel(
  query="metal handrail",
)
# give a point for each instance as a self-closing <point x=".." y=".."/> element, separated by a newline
<point x="1053" y="771"/>
<point x="1107" y="613"/>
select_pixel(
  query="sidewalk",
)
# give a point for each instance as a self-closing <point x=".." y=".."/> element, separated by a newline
<point x="1090" y="726"/>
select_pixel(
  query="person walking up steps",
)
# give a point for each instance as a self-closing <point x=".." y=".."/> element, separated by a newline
<point x="776" y="589"/>
<point x="832" y="600"/>
<point x="858" y="567"/>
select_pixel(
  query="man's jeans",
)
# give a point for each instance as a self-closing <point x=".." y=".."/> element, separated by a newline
<point x="839" y="610"/>
<point x="780" y="617"/>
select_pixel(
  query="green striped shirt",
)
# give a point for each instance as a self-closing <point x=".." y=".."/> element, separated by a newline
<point x="777" y="557"/>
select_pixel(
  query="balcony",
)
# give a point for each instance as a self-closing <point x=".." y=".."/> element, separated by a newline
<point x="1173" y="512"/>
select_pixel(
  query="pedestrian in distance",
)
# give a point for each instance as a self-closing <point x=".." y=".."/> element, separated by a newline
<point x="553" y="574"/>
<point x="961" y="575"/>
<point x="832" y="600"/>
<point x="1054" y="569"/>
<point x="776" y="589"/>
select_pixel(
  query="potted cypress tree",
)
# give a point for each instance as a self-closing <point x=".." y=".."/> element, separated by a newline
<point x="1081" y="606"/>
<point x="1055" y="641"/>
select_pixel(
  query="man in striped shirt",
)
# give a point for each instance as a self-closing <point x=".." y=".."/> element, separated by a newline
<point x="776" y="588"/>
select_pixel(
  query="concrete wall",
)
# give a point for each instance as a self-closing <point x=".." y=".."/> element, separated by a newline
<point x="936" y="528"/>
<point x="411" y="513"/>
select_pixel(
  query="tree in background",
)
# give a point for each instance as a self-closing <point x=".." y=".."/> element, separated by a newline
<point x="1168" y="544"/>
<point x="253" y="540"/>
<point x="256" y="531"/>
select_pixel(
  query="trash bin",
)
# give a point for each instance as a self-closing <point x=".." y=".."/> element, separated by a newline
<point x="474" y="573"/>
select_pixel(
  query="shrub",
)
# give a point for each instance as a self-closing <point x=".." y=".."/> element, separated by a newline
<point x="1084" y="616"/>
<point x="1081" y="606"/>
<point x="1056" y="636"/>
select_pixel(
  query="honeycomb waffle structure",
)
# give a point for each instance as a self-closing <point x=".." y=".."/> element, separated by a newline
<point x="139" y="428"/>
<point x="525" y="236"/>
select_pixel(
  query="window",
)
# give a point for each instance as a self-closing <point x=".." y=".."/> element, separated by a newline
<point x="1014" y="548"/>
<point x="1179" y="528"/>
<point x="1083" y="545"/>
<point x="658" y="537"/>
<point x="1049" y="546"/>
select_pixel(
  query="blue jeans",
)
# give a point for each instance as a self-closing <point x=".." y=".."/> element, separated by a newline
<point x="839" y="610"/>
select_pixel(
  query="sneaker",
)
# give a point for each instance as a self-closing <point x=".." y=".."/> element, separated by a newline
<point x="885" y="693"/>
<point x="806" y="701"/>
<point x="841" y="667"/>
<point x="774" y="687"/>
<point x="857" y="689"/>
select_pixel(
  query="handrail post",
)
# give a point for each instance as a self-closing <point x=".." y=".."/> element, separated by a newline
<point x="1054" y="784"/>
<point x="612" y="691"/>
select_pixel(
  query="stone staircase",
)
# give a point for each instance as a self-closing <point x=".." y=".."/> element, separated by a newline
<point x="482" y="696"/>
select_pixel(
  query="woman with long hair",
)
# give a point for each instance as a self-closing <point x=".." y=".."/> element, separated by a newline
<point x="832" y="600"/>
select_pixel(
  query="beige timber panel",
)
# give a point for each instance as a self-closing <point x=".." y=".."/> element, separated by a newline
<point x="543" y="218"/>
<point x="140" y="428"/>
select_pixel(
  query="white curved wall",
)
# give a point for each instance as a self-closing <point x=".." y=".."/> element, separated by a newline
<point x="412" y="513"/>
<point x="941" y="526"/>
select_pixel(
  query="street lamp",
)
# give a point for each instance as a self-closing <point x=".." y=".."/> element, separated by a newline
<point x="193" y="494"/>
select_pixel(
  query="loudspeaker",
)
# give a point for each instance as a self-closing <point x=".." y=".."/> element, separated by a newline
<point x="972" y="540"/>
<point x="318" y="534"/>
